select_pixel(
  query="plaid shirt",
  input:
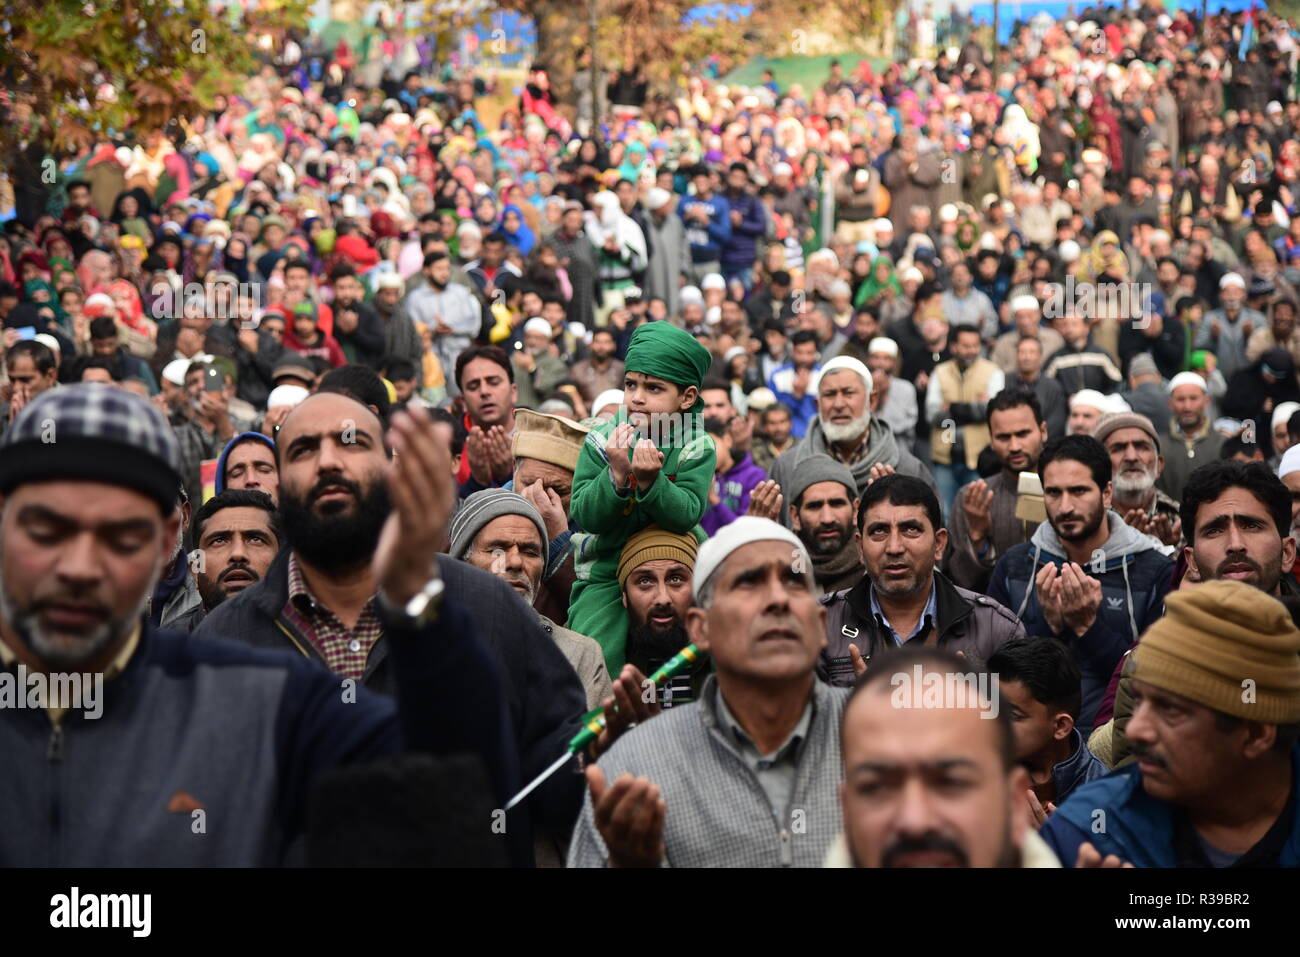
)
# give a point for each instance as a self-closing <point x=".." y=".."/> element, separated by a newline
<point x="345" y="652"/>
<point x="196" y="446"/>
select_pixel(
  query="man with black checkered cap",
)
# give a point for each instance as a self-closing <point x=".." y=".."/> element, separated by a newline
<point x="88" y="491"/>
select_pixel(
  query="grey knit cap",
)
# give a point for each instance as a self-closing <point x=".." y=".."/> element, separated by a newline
<point x="481" y="508"/>
<point x="819" y="468"/>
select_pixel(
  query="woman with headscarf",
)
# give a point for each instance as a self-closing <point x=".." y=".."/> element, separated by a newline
<point x="1104" y="258"/>
<point x="516" y="230"/>
<point x="1021" y="136"/>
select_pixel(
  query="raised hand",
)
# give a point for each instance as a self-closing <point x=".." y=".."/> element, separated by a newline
<point x="626" y="708"/>
<point x="976" y="501"/>
<point x="629" y="814"/>
<point x="765" y="500"/>
<point x="646" y="463"/>
<point x="617" y="445"/>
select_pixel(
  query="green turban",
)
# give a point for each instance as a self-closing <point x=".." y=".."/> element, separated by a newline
<point x="662" y="350"/>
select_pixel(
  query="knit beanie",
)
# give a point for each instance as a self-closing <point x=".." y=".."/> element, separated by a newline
<point x="477" y="511"/>
<point x="1228" y="646"/>
<point x="653" y="543"/>
<point x="819" y="468"/>
<point x="1125" y="420"/>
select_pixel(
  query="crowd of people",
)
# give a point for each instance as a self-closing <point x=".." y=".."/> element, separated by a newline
<point x="969" y="370"/>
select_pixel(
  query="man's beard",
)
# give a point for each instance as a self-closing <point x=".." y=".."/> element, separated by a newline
<point x="343" y="538"/>
<point x="1090" y="526"/>
<point x="646" y="643"/>
<point x="1267" y="574"/>
<point x="1008" y="854"/>
<point x="846" y="431"/>
<point x="1130" y="489"/>
<point x="214" y="593"/>
<point x="60" y="651"/>
<point x="820" y="547"/>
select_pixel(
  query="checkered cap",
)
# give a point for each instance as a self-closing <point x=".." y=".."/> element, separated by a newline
<point x="93" y="432"/>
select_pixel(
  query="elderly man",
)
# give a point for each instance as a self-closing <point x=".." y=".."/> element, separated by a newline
<point x="1136" y="463"/>
<point x="1027" y="315"/>
<point x="984" y="525"/>
<point x="931" y="786"/>
<point x="1146" y="392"/>
<point x="1192" y="440"/>
<point x="537" y="372"/>
<point x="846" y="430"/>
<point x="824" y="503"/>
<point x="903" y="598"/>
<point x="1217" y="769"/>
<point x="762" y="742"/>
<point x="655" y="572"/>
<point x="501" y="533"/>
<point x="237" y="534"/>
<point x="545" y="449"/>
<point x="892" y="399"/>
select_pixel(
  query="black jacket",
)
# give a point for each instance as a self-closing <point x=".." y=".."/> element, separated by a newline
<point x="543" y="694"/>
<point x="966" y="621"/>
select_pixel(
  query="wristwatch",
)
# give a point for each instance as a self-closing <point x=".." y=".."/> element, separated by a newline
<point x="421" y="610"/>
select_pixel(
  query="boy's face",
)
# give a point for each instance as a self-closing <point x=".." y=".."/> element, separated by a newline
<point x="1036" y="725"/>
<point x="723" y="445"/>
<point x="646" y="395"/>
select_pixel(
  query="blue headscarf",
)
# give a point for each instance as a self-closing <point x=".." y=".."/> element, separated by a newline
<point x="523" y="237"/>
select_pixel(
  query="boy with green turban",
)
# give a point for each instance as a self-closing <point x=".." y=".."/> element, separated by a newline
<point x="651" y="465"/>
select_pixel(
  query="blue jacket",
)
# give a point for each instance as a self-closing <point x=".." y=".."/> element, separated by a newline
<point x="1118" y="817"/>
<point x="707" y="242"/>
<point x="1134" y="579"/>
<point x="1077" y="770"/>
<point x="802" y="411"/>
<point x="742" y="249"/>
<point x="242" y="733"/>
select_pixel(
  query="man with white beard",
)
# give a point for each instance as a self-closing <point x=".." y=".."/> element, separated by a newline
<point x="846" y="430"/>
<point x="1134" y="449"/>
<point x="1289" y="473"/>
<point x="501" y="533"/>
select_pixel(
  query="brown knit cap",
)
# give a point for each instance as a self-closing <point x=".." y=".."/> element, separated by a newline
<point x="1124" y="420"/>
<point x="548" y="438"/>
<point x="1226" y="645"/>
<point x="651" y="543"/>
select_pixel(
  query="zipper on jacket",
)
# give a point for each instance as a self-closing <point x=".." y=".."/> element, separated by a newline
<point x="289" y="634"/>
<point x="787" y="848"/>
<point x="55" y="756"/>
<point x="55" y="752"/>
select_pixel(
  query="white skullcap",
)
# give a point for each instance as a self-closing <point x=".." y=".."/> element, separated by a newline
<point x="713" y="315"/>
<point x="1290" y="462"/>
<point x="691" y="294"/>
<point x="539" y="325"/>
<point x="1069" y="251"/>
<point x="882" y="344"/>
<point x="608" y="397"/>
<point x="1115" y="404"/>
<point x="1232" y="279"/>
<point x="713" y="280"/>
<point x="657" y="198"/>
<point x="839" y="288"/>
<point x="840" y="363"/>
<point x="744" y="531"/>
<point x="782" y="169"/>
<point x="947" y="213"/>
<point x="760" y="399"/>
<point x="1284" y="412"/>
<point x="47" y="340"/>
<point x="1090" y="398"/>
<point x="174" y="371"/>
<point x="1187" y="378"/>
<point x="286" y="395"/>
<point x="1024" y="302"/>
<point x="882" y="223"/>
<point x="911" y="272"/>
<point x="389" y="280"/>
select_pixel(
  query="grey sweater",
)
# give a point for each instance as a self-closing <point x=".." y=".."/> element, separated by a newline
<point x="718" y="813"/>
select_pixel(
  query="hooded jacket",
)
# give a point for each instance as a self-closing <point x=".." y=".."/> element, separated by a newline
<point x="220" y="485"/>
<point x="966" y="622"/>
<point x="882" y="448"/>
<point x="1134" y="577"/>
